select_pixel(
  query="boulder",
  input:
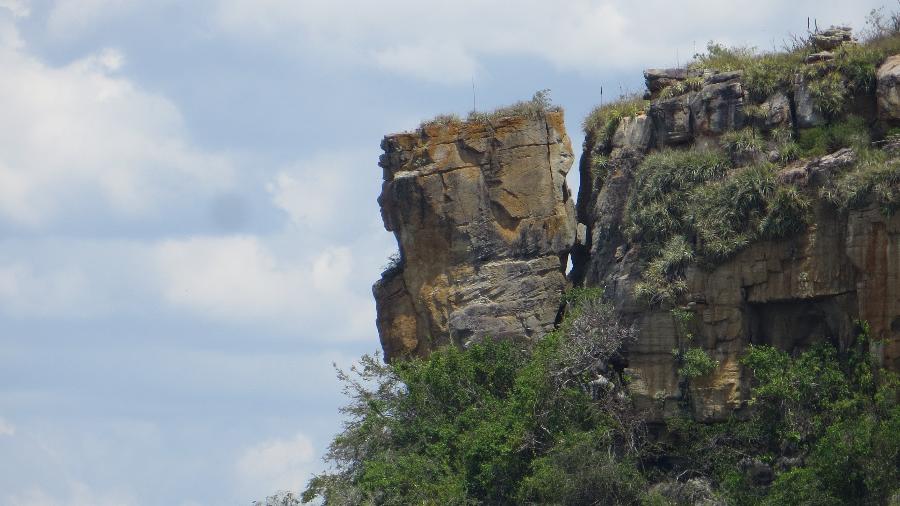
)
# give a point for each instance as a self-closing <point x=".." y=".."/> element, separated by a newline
<point x="671" y="121"/>
<point x="633" y="133"/>
<point x="659" y="79"/>
<point x="718" y="107"/>
<point x="776" y="112"/>
<point x="888" y="89"/>
<point x="831" y="38"/>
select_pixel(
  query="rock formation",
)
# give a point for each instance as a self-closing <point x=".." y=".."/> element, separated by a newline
<point x="789" y="293"/>
<point x="484" y="221"/>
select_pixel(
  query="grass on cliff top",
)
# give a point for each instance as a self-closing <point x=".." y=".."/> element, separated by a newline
<point x="604" y="119"/>
<point x="537" y="107"/>
<point x="830" y="83"/>
<point x="691" y="206"/>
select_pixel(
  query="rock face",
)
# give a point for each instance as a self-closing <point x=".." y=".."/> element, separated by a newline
<point x="888" y="89"/>
<point x="484" y="221"/>
<point x="788" y="293"/>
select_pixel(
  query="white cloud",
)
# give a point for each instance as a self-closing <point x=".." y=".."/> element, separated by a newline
<point x="18" y="8"/>
<point x="448" y="41"/>
<point x="79" y="139"/>
<point x="7" y="428"/>
<point x="78" y="494"/>
<point x="69" y="18"/>
<point x="241" y="279"/>
<point x="278" y="464"/>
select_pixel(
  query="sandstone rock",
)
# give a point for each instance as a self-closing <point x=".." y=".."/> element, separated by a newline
<point x="888" y="89"/>
<point x="671" y="121"/>
<point x="819" y="57"/>
<point x="659" y="79"/>
<point x="789" y="293"/>
<point x="484" y="221"/>
<point x="777" y="112"/>
<point x="807" y="113"/>
<point x="633" y="133"/>
<point x="817" y="170"/>
<point x="831" y="38"/>
<point x="718" y="107"/>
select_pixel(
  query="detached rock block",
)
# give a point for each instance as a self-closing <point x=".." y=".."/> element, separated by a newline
<point x="484" y="221"/>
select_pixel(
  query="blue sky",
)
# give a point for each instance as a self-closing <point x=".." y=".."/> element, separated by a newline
<point x="188" y="225"/>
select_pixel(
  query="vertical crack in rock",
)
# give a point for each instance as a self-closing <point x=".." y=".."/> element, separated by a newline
<point x="484" y="224"/>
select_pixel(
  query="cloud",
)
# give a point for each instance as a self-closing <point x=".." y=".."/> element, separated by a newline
<point x="241" y="279"/>
<point x="18" y="8"/>
<point x="79" y="140"/>
<point x="446" y="42"/>
<point x="278" y="464"/>
<point x="7" y="428"/>
<point x="79" y="494"/>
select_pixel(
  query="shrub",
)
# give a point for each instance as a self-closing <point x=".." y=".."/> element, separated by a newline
<point x="695" y="362"/>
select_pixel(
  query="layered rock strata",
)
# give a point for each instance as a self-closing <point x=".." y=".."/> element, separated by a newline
<point x="484" y="222"/>
<point x="789" y="293"/>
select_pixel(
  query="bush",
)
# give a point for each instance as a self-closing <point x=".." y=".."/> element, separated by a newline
<point x="488" y="424"/>
<point x="696" y="363"/>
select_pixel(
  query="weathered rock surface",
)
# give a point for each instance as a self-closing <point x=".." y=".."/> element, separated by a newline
<point x="484" y="221"/>
<point x="807" y="112"/>
<point x="672" y="121"/>
<point x="718" y="106"/>
<point x="888" y="89"/>
<point x="832" y="37"/>
<point x="789" y="293"/>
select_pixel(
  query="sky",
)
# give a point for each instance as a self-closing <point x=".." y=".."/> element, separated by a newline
<point x="188" y="224"/>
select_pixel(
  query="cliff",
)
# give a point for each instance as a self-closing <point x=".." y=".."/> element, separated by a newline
<point x="742" y="200"/>
<point x="484" y="221"/>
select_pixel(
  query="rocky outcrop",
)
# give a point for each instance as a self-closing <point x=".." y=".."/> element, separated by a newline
<point x="789" y="293"/>
<point x="888" y="89"/>
<point x="484" y="221"/>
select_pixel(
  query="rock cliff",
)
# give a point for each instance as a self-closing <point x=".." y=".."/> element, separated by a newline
<point x="790" y="291"/>
<point x="484" y="221"/>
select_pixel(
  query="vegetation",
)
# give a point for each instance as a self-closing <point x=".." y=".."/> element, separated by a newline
<point x="552" y="423"/>
<point x="874" y="179"/>
<point x="604" y="119"/>
<point x="684" y="209"/>
<point x="492" y="423"/>
<point x="539" y="105"/>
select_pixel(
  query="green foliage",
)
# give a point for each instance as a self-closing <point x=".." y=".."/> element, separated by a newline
<point x="874" y="179"/>
<point x="685" y="209"/>
<point x="764" y="74"/>
<point x="819" y="141"/>
<point x="693" y="83"/>
<point x="580" y="470"/>
<point x="834" y="414"/>
<point x="489" y="424"/>
<point x="539" y="105"/>
<point x="742" y="142"/>
<point x="695" y="363"/>
<point x="603" y="120"/>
